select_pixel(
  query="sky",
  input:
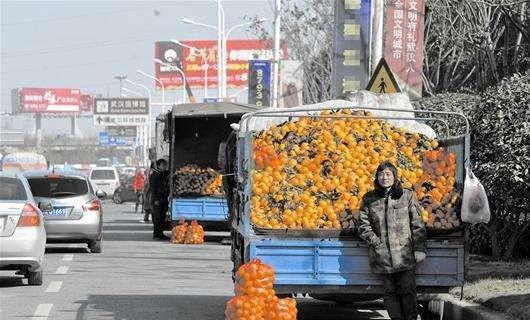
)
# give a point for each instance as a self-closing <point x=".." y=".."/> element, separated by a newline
<point x="84" y="44"/>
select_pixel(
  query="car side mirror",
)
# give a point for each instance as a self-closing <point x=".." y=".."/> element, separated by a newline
<point x="45" y="206"/>
<point x="101" y="194"/>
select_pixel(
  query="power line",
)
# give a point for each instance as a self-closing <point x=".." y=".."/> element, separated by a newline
<point x="68" y="17"/>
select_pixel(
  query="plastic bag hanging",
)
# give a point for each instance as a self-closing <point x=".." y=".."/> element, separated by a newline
<point x="475" y="206"/>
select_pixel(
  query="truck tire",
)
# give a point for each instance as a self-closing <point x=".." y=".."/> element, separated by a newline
<point x="95" y="246"/>
<point x="35" y="278"/>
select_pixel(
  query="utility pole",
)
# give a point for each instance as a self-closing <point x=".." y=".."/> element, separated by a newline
<point x="276" y="67"/>
<point x="121" y="77"/>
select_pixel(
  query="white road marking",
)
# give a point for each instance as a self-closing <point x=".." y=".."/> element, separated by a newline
<point x="62" y="270"/>
<point x="43" y="311"/>
<point x="68" y="257"/>
<point x="54" y="286"/>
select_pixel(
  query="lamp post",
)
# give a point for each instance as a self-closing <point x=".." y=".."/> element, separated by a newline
<point x="221" y="56"/>
<point x="120" y="78"/>
<point x="132" y="92"/>
<point x="157" y="81"/>
<point x="181" y="74"/>
<point x="204" y="59"/>
<point x="147" y="144"/>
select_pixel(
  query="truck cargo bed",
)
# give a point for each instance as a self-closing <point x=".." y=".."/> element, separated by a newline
<point x="200" y="209"/>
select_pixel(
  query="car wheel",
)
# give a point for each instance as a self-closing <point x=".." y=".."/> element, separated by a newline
<point x="95" y="246"/>
<point x="35" y="278"/>
<point x="116" y="198"/>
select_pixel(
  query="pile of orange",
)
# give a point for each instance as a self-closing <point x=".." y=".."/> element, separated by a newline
<point x="178" y="233"/>
<point x="313" y="172"/>
<point x="255" y="297"/>
<point x="188" y="234"/>
<point x="215" y="187"/>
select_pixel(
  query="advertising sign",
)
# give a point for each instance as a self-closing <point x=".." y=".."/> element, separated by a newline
<point x="87" y="102"/>
<point x="50" y="100"/>
<point x="404" y="24"/>
<point x="351" y="46"/>
<point x="292" y="83"/>
<point x="194" y="62"/>
<point x="121" y="106"/>
<point x="259" y="83"/>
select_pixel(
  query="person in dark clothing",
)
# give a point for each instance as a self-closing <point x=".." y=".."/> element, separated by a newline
<point x="159" y="189"/>
<point x="390" y="223"/>
<point x="146" y="196"/>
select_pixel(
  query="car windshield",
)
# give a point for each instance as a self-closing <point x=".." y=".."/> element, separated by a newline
<point x="12" y="189"/>
<point x="103" y="175"/>
<point x="58" y="187"/>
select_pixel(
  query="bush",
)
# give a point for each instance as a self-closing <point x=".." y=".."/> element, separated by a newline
<point x="500" y="155"/>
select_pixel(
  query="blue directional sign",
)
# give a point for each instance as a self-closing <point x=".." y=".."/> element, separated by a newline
<point x="112" y="141"/>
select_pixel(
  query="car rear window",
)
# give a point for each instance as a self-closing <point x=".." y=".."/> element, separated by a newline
<point x="12" y="189"/>
<point x="58" y="187"/>
<point x="103" y="175"/>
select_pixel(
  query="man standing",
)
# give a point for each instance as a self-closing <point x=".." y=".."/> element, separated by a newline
<point x="138" y="186"/>
<point x="159" y="189"/>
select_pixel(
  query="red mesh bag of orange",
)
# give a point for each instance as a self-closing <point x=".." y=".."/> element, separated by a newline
<point x="245" y="308"/>
<point x="194" y="233"/>
<point x="178" y="233"/>
<point x="255" y="278"/>
<point x="280" y="309"/>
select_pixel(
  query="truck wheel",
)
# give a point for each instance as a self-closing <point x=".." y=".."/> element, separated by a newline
<point x="95" y="246"/>
<point x="35" y="278"/>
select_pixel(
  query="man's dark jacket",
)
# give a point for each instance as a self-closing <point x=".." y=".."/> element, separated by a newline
<point x="159" y="188"/>
<point x="393" y="229"/>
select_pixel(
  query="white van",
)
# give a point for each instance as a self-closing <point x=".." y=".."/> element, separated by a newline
<point x="105" y="179"/>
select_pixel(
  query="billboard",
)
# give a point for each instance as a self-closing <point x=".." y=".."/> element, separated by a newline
<point x="87" y="103"/>
<point x="404" y="21"/>
<point x="49" y="100"/>
<point x="238" y="52"/>
<point x="259" y="83"/>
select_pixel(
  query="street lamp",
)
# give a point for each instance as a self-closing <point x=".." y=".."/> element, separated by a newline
<point x="204" y="59"/>
<point x="121" y="77"/>
<point x="157" y="80"/>
<point x="221" y="56"/>
<point x="146" y="147"/>
<point x="132" y="92"/>
<point x="238" y="92"/>
<point x="181" y="74"/>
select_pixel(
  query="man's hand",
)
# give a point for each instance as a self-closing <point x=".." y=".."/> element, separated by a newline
<point x="419" y="256"/>
<point x="157" y="203"/>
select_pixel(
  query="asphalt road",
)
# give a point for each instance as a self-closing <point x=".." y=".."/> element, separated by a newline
<point x="138" y="278"/>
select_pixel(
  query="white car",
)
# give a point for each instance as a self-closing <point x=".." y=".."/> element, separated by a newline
<point x="105" y="179"/>
<point x="22" y="234"/>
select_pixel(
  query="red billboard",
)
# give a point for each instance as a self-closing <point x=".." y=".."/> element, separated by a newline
<point x="87" y="103"/>
<point x="192" y="62"/>
<point x="404" y="43"/>
<point x="50" y="100"/>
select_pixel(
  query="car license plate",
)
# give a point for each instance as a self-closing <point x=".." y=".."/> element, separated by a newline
<point x="59" y="212"/>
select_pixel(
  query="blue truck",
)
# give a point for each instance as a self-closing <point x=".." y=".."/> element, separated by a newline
<point x="328" y="264"/>
<point x="194" y="132"/>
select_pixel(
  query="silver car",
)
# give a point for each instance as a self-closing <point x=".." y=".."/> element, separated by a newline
<point x="72" y="210"/>
<point x="22" y="233"/>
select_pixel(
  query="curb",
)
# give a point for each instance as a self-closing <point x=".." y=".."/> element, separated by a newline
<point x="449" y="308"/>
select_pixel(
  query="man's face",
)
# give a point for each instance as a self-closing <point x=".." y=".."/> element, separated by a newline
<point x="385" y="178"/>
<point x="162" y="166"/>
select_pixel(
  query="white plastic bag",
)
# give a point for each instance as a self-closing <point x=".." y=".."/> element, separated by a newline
<point x="475" y="206"/>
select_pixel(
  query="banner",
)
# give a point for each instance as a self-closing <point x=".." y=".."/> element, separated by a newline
<point x="49" y="100"/>
<point x="259" y="83"/>
<point x="404" y="43"/>
<point x="291" y="83"/>
<point x="351" y="46"/>
<point x="194" y="61"/>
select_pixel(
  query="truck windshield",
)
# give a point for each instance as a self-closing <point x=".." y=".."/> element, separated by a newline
<point x="12" y="189"/>
<point x="58" y="187"/>
<point x="103" y="175"/>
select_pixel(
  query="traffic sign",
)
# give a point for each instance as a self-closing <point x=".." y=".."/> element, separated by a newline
<point x="111" y="141"/>
<point x="122" y="131"/>
<point x="209" y="100"/>
<point x="101" y="120"/>
<point x="383" y="80"/>
<point x="121" y="106"/>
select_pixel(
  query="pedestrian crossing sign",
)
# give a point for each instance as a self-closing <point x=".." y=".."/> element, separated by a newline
<point x="383" y="80"/>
